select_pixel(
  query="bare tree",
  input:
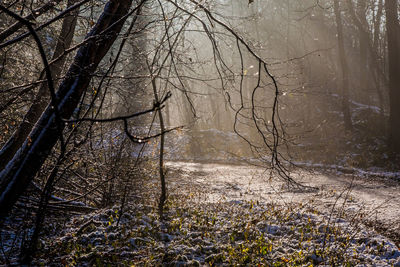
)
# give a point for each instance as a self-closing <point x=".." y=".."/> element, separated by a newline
<point x="43" y="95"/>
<point x="393" y="43"/>
<point x="344" y="67"/>
<point x="15" y="177"/>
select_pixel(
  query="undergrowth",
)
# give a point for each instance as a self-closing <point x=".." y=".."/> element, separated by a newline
<point x="226" y="233"/>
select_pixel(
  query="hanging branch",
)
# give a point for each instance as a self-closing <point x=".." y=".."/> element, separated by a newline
<point x="156" y="106"/>
<point x="259" y="123"/>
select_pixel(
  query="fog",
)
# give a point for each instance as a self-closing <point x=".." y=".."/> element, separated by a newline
<point x="298" y="40"/>
<point x="199" y="132"/>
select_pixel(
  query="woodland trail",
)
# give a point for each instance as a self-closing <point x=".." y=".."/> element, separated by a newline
<point x="378" y="198"/>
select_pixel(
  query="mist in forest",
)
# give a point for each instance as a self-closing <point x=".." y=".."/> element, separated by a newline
<point x="333" y="93"/>
<point x="199" y="133"/>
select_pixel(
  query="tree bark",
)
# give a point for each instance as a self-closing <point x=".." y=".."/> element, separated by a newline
<point x="393" y="43"/>
<point x="20" y="171"/>
<point x="345" y="69"/>
<point x="376" y="46"/>
<point x="377" y="24"/>
<point x="363" y="40"/>
<point x="163" y="195"/>
<point x="42" y="98"/>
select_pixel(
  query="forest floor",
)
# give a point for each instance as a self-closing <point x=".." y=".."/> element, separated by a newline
<point x="376" y="196"/>
<point x="234" y="215"/>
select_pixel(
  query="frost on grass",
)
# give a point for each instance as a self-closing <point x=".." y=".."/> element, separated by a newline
<point x="224" y="233"/>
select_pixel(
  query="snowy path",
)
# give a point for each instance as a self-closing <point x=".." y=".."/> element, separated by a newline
<point x="378" y="197"/>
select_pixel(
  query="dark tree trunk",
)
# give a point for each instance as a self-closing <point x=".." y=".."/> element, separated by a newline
<point x="163" y="195"/>
<point x="345" y="69"/>
<point x="20" y="171"/>
<point x="376" y="45"/>
<point x="363" y="40"/>
<point x="393" y="42"/>
<point x="42" y="98"/>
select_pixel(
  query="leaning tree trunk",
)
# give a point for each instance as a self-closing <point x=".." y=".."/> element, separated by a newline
<point x="393" y="42"/>
<point x="344" y="67"/>
<point x="42" y="98"/>
<point x="28" y="160"/>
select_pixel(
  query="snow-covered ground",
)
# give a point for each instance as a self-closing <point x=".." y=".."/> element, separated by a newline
<point x="376" y="197"/>
<point x="379" y="196"/>
<point x="235" y="215"/>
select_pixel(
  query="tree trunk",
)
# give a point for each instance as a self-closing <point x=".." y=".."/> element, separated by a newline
<point x="377" y="24"/>
<point x="362" y="30"/>
<point x="42" y="98"/>
<point x="363" y="65"/>
<point x="393" y="43"/>
<point x="163" y="195"/>
<point x="345" y="69"/>
<point x="20" y="171"/>
<point x="376" y="46"/>
<point x="375" y="69"/>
